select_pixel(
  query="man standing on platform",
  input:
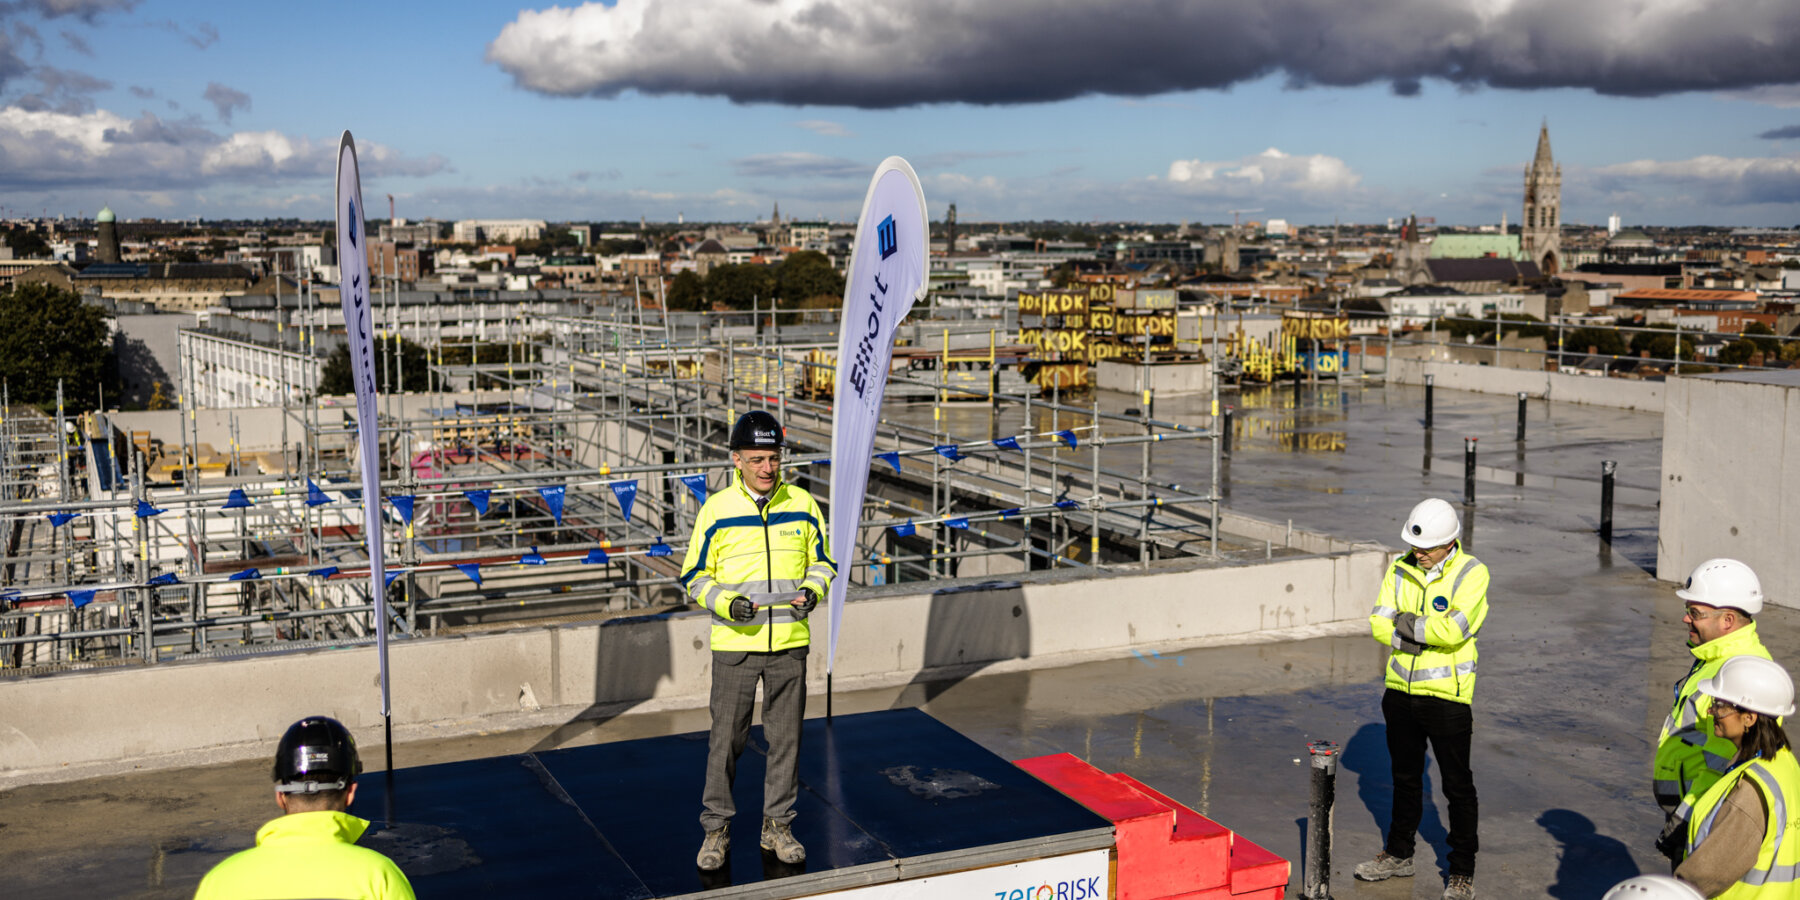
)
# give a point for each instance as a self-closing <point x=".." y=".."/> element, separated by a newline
<point x="757" y="561"/>
<point x="1721" y="597"/>
<point x="1430" y="609"/>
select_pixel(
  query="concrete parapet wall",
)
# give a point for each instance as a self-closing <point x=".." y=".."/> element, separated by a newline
<point x="1731" y="478"/>
<point x="171" y="714"/>
<point x="1622" y="393"/>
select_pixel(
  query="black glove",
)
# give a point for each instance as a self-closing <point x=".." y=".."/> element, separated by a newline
<point x="742" y="610"/>
<point x="1405" y="625"/>
<point x="804" y="604"/>
<point x="1673" y="840"/>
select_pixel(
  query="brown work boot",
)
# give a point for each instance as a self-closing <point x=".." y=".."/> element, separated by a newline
<point x="1459" y="887"/>
<point x="778" y="837"/>
<point x="712" y="850"/>
<point x="1383" y="867"/>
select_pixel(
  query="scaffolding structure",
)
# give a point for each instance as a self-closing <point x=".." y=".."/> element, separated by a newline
<point x="552" y="485"/>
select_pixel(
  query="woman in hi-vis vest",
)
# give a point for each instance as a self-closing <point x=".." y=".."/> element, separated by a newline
<point x="1743" y="840"/>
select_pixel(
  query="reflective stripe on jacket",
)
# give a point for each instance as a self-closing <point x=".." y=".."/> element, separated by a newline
<point x="1689" y="757"/>
<point x="739" y="550"/>
<point x="1438" y="658"/>
<point x="309" y="854"/>
<point x="1776" y="872"/>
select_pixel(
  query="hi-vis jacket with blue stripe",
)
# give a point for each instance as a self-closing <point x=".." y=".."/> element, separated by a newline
<point x="739" y="550"/>
<point x="1431" y="623"/>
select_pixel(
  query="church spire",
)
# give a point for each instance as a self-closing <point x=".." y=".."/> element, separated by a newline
<point x="1543" y="148"/>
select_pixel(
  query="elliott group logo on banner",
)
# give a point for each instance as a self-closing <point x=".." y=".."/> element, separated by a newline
<point x="887" y="275"/>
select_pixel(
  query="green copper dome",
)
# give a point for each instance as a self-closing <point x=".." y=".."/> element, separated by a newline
<point x="106" y="214"/>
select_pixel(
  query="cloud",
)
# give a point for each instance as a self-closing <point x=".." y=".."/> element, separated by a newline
<point x="63" y="91"/>
<point x="1781" y="134"/>
<point x="1269" y="173"/>
<point x="77" y="43"/>
<point x="798" y="165"/>
<point x="1709" y="180"/>
<point x="952" y="158"/>
<point x="142" y="93"/>
<point x="203" y="36"/>
<point x="226" y="100"/>
<point x="822" y="127"/>
<point x="85" y="10"/>
<point x="842" y="53"/>
<point x="47" y="149"/>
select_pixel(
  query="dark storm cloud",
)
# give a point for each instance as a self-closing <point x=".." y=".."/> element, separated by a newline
<point x="62" y="90"/>
<point x="1781" y="134"/>
<point x="842" y="53"/>
<point x="86" y="10"/>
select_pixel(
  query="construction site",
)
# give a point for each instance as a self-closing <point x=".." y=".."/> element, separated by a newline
<point x="1055" y="555"/>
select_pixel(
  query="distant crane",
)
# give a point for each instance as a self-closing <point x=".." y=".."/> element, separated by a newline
<point x="1235" y="212"/>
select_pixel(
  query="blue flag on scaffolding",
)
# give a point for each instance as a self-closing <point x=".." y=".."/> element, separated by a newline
<point x="553" y="497"/>
<point x="1008" y="513"/>
<point x="165" y="578"/>
<point x="626" y="492"/>
<point x="904" y="529"/>
<point x="391" y="575"/>
<point x="473" y="570"/>
<point x="595" y="557"/>
<point x="314" y="495"/>
<point x="1066" y="504"/>
<point x="237" y="500"/>
<point x="893" y="459"/>
<point x="145" y="510"/>
<point x="534" y="558"/>
<point x="246" y="575"/>
<point x="960" y="523"/>
<point x="1007" y="443"/>
<point x="59" y="519"/>
<point x="479" y="500"/>
<point x="949" y="452"/>
<point x="659" y="549"/>
<point x="1068" y="437"/>
<point x="324" y="572"/>
<point x="696" y="484"/>
<point x="79" y="599"/>
<point x="403" y="504"/>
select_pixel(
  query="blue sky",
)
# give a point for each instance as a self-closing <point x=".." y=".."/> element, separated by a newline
<point x="1663" y="111"/>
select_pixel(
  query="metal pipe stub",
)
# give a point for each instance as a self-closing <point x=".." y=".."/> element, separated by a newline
<point x="1324" y="755"/>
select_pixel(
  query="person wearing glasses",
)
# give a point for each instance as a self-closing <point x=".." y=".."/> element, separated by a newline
<point x="1430" y="609"/>
<point x="759" y="562"/>
<point x="1743" y="838"/>
<point x="1722" y="597"/>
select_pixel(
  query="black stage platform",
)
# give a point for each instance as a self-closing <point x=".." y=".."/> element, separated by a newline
<point x="884" y="797"/>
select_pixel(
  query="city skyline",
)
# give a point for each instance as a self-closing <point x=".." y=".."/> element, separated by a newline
<point x="1665" y="113"/>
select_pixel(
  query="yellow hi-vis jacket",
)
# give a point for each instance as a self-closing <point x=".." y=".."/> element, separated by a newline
<point x="1776" y="872"/>
<point x="304" y="855"/>
<point x="1431" y="623"/>
<point x="1689" y="757"/>
<point x="738" y="550"/>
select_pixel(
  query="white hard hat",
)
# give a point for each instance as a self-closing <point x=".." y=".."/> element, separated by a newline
<point x="1753" y="683"/>
<point x="1653" y="887"/>
<point x="1724" y="583"/>
<point x="1433" y="523"/>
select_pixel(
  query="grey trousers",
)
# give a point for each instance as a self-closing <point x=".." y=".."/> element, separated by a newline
<point x="734" y="677"/>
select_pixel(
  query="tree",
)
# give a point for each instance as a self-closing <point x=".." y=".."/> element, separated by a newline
<point x="336" y="377"/>
<point x="686" y="292"/>
<point x="807" y="275"/>
<point x="739" y="286"/>
<point x="1768" y="345"/>
<point x="1738" y="352"/>
<point x="1661" y="346"/>
<point x="1604" y="340"/>
<point x="27" y="244"/>
<point x="47" y="334"/>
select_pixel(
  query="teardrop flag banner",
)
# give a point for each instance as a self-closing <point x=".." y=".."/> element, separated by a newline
<point x="353" y="296"/>
<point x="887" y="275"/>
<point x="553" y="498"/>
<point x="478" y="499"/>
<point x="697" y="485"/>
<point x="473" y="570"/>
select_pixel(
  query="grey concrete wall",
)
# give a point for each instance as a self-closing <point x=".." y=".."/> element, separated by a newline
<point x="233" y="708"/>
<point x="1167" y="379"/>
<point x="1615" y="392"/>
<point x="1731" y="478"/>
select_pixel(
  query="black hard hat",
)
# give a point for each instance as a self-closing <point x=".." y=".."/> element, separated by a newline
<point x="757" y="430"/>
<point x="316" y="754"/>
